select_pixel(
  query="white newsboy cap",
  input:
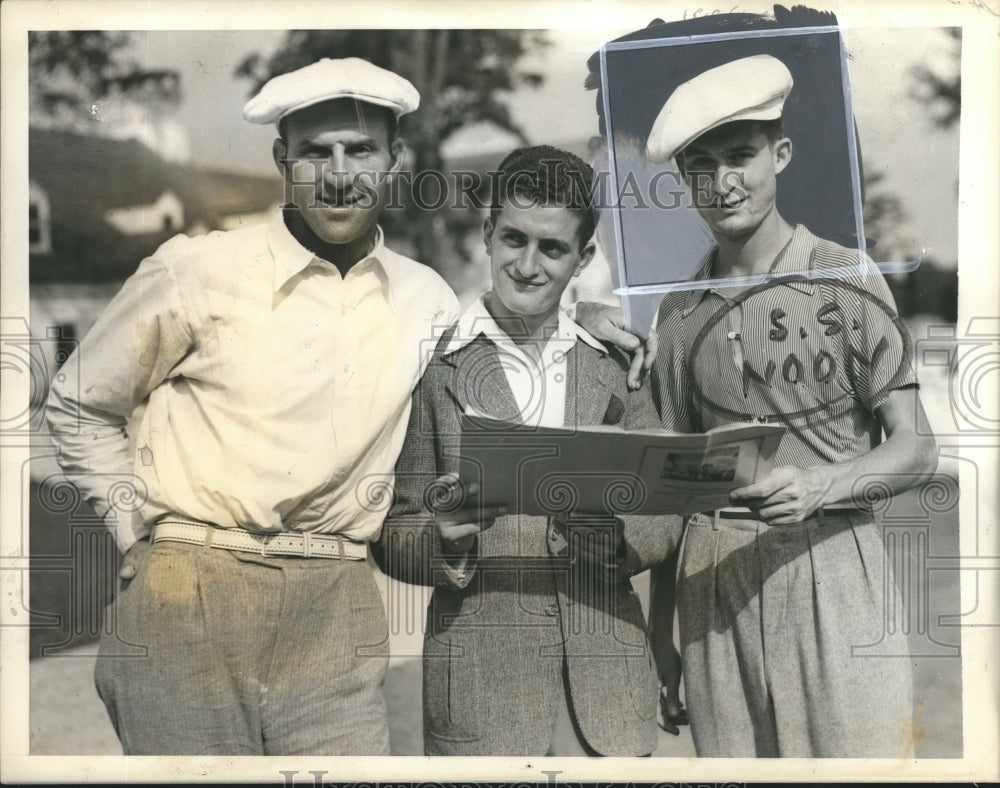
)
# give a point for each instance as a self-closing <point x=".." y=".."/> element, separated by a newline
<point x="751" y="88"/>
<point x="327" y="79"/>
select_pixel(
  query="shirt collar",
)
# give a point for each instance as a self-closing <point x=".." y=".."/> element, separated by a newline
<point x="291" y="258"/>
<point x="477" y="321"/>
<point x="788" y="262"/>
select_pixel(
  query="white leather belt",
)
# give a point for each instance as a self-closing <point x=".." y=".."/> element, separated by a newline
<point x="301" y="544"/>
<point x="742" y="513"/>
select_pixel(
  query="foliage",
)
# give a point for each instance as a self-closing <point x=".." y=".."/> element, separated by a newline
<point x="71" y="72"/>
<point x="940" y="89"/>
<point x="886" y="221"/>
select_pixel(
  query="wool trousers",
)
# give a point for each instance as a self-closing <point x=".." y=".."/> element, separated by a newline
<point x="244" y="654"/>
<point x="774" y="621"/>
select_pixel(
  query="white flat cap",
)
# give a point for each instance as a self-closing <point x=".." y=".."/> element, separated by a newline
<point x="751" y="88"/>
<point x="329" y="79"/>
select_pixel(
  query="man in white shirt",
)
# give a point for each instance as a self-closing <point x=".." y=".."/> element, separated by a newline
<point x="535" y="641"/>
<point x="252" y="382"/>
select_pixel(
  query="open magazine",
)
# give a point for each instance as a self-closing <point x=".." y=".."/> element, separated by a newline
<point x="599" y="469"/>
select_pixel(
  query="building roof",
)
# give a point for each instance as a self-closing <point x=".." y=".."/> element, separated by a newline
<point x="85" y="176"/>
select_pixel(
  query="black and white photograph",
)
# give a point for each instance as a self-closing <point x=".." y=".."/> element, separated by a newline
<point x="714" y="465"/>
<point x="279" y="262"/>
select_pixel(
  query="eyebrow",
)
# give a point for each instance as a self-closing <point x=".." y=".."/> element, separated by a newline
<point x="553" y="242"/>
<point x="693" y="151"/>
<point x="363" y="138"/>
<point x="559" y="246"/>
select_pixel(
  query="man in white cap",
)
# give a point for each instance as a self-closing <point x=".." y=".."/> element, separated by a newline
<point x="777" y="591"/>
<point x="256" y="385"/>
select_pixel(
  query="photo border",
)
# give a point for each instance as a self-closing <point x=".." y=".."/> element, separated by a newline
<point x="978" y="242"/>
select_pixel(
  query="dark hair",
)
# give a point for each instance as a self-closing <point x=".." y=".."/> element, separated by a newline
<point x="773" y="129"/>
<point x="544" y="175"/>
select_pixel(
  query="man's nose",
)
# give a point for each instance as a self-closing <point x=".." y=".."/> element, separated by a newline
<point x="726" y="178"/>
<point x="527" y="263"/>
<point x="335" y="169"/>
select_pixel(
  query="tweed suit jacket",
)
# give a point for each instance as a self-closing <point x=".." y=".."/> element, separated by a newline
<point x="498" y="632"/>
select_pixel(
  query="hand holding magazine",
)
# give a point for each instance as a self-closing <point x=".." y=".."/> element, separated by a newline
<point x="545" y="471"/>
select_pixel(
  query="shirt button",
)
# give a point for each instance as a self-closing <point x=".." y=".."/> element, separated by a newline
<point x="552" y="610"/>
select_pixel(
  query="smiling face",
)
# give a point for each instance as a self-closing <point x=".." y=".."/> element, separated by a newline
<point x="732" y="172"/>
<point x="335" y="157"/>
<point x="535" y="250"/>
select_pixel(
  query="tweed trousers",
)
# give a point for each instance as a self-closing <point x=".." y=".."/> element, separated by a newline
<point x="246" y="655"/>
<point x="773" y="621"/>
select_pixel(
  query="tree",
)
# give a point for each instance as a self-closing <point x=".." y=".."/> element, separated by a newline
<point x="72" y="74"/>
<point x="886" y="221"/>
<point x="940" y="87"/>
<point x="460" y="75"/>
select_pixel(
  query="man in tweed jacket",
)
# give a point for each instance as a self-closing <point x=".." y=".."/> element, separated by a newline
<point x="535" y="640"/>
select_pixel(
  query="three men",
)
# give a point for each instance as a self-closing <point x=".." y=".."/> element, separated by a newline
<point x="252" y="381"/>
<point x="775" y="591"/>
<point x="249" y="382"/>
<point x="535" y="641"/>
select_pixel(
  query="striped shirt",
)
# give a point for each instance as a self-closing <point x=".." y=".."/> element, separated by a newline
<point x="818" y="348"/>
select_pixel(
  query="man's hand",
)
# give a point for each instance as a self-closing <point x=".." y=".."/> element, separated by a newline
<point x="672" y="711"/>
<point x="594" y="539"/>
<point x="607" y="324"/>
<point x="132" y="558"/>
<point x="786" y="496"/>
<point x="458" y="527"/>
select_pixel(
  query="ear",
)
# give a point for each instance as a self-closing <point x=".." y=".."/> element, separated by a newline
<point x="782" y="154"/>
<point x="279" y="151"/>
<point x="585" y="257"/>
<point x="488" y="234"/>
<point x="397" y="149"/>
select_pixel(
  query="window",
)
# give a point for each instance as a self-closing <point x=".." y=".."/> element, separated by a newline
<point x="39" y="225"/>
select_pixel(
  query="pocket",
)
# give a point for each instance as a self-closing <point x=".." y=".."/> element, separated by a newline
<point x="874" y="579"/>
<point x="643" y="684"/>
<point x="139" y="554"/>
<point x="368" y="620"/>
<point x="453" y="700"/>
<point x="168" y="586"/>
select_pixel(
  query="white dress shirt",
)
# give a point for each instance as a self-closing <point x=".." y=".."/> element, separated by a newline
<point x="539" y="387"/>
<point x="260" y="388"/>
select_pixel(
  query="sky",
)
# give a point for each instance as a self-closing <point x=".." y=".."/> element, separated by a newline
<point x="920" y="162"/>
